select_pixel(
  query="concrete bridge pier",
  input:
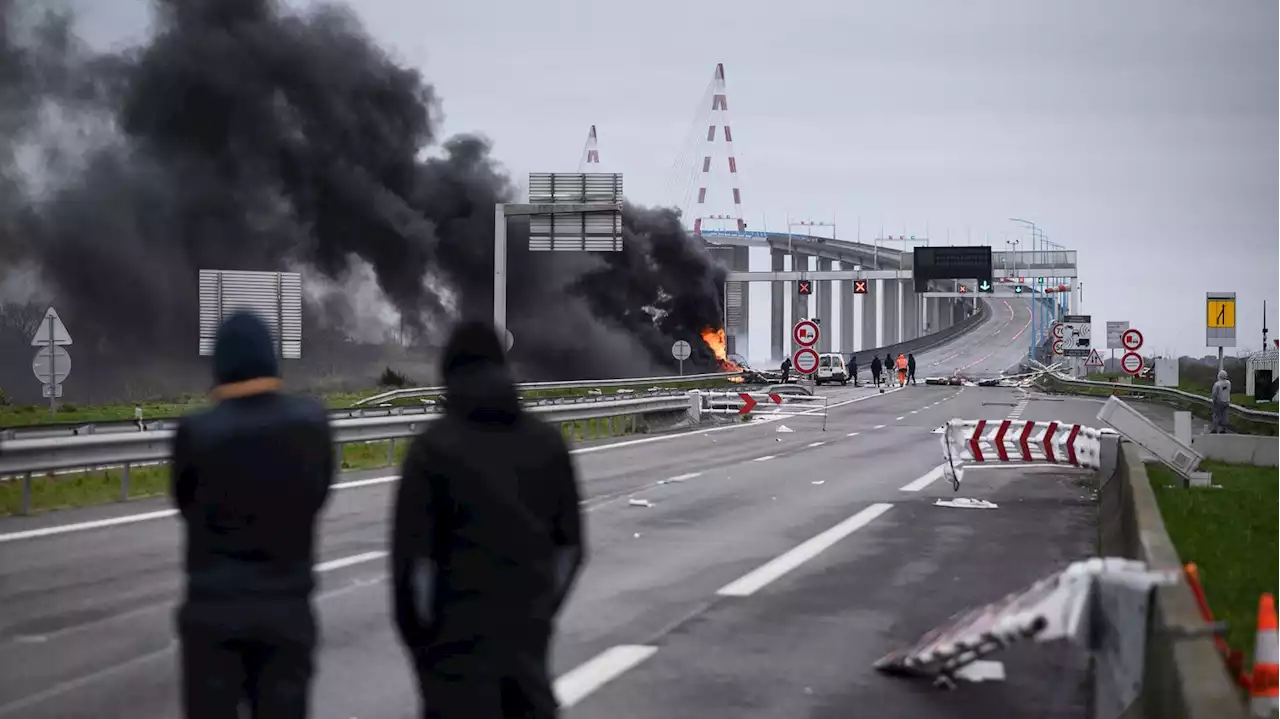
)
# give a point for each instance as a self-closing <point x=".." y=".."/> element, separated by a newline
<point x="825" y="292"/>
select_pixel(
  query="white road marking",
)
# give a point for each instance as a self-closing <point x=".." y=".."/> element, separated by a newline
<point x="878" y="426"/>
<point x="683" y="477"/>
<point x="761" y="577"/>
<point x="578" y="683"/>
<point x="765" y="458"/>
<point x="929" y="478"/>
<point x="816" y="444"/>
<point x="914" y="411"/>
<point x="898" y="419"/>
<point x="853" y="434"/>
<point x="343" y="562"/>
<point x="353" y="484"/>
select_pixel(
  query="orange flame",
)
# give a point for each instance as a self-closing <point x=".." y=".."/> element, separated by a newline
<point x="714" y="338"/>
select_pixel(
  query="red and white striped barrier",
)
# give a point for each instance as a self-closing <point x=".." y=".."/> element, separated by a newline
<point x="1005" y="441"/>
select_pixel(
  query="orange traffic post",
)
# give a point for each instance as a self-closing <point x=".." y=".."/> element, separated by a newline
<point x="1233" y="658"/>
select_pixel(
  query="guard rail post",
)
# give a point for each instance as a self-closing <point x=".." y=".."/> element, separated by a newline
<point x="695" y="406"/>
<point x="124" y="482"/>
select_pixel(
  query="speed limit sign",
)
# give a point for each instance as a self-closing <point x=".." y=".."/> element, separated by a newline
<point x="1057" y="330"/>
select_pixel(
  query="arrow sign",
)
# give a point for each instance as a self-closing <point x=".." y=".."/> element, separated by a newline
<point x="1004" y="427"/>
<point x="748" y="403"/>
<point x="1023" y="441"/>
<point x="777" y="398"/>
<point x="985" y="286"/>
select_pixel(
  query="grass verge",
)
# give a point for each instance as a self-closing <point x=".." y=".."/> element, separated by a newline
<point x="85" y="489"/>
<point x="1230" y="534"/>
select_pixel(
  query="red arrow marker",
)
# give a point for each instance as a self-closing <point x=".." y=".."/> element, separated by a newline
<point x="1071" y="444"/>
<point x="1004" y="427"/>
<point x="777" y="398"/>
<point x="1048" y="441"/>
<point x="973" y="441"/>
<point x="1023" y="443"/>
<point x="748" y="403"/>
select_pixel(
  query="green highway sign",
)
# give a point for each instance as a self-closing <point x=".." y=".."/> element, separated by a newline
<point x="1017" y="289"/>
<point x="985" y="286"/>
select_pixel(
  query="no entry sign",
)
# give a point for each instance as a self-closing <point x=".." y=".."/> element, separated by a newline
<point x="805" y="360"/>
<point x="1132" y="340"/>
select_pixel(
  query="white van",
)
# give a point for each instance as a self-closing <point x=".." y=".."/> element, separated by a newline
<point x="831" y="368"/>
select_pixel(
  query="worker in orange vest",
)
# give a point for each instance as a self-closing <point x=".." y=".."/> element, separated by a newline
<point x="902" y="370"/>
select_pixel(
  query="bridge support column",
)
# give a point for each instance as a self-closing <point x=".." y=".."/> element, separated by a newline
<point x="848" y="340"/>
<point x="892" y="319"/>
<point x="738" y="304"/>
<point x="799" y="302"/>
<point x="910" y="312"/>
<point x="825" y="292"/>
<point x="778" y="290"/>
<point x="934" y="307"/>
<point x="869" y="315"/>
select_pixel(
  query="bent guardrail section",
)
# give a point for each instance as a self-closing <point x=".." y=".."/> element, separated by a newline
<point x="410" y="392"/>
<point x="1170" y="392"/>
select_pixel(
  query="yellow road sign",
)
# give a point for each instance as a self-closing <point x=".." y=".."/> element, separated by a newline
<point x="1221" y="313"/>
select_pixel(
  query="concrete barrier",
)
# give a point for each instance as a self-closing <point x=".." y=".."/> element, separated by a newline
<point x="1239" y="448"/>
<point x="1184" y="677"/>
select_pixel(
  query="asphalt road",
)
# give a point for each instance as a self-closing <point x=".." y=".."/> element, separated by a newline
<point x="710" y="602"/>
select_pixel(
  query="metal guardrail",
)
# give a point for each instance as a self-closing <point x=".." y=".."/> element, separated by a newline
<point x="50" y="454"/>
<point x="526" y="386"/>
<point x="1170" y="392"/>
<point x="76" y="429"/>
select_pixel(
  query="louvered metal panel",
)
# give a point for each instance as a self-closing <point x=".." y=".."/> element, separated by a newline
<point x="579" y="231"/>
<point x="734" y="292"/>
<point x="276" y="297"/>
<point x="553" y="187"/>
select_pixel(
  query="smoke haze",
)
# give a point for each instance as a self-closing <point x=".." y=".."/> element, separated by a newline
<point x="246" y="136"/>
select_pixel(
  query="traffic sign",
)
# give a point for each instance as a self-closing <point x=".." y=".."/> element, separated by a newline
<point x="1057" y="347"/>
<point x="1017" y="290"/>
<point x="51" y="365"/>
<point x="749" y="403"/>
<point x="1095" y="360"/>
<point x="805" y="287"/>
<point x="962" y="289"/>
<point x="805" y="360"/>
<point x="1077" y="332"/>
<point x="1131" y="362"/>
<point x="985" y="286"/>
<point x="1220" y="319"/>
<point x="1115" y="334"/>
<point x="805" y="333"/>
<point x="681" y="350"/>
<point x="51" y="331"/>
<point x="1057" y="330"/>
<point x="51" y="391"/>
<point x="1131" y="340"/>
<point x="859" y="287"/>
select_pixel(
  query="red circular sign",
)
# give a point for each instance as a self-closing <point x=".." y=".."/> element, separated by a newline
<point x="1057" y="347"/>
<point x="1131" y="362"/>
<point x="1058" y="330"/>
<point x="805" y="333"/>
<point x="805" y="360"/>
<point x="1132" y="340"/>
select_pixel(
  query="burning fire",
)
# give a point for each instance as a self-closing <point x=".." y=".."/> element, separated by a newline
<point x="715" y="340"/>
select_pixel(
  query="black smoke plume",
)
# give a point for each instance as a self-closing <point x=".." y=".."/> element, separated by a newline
<point x="246" y="136"/>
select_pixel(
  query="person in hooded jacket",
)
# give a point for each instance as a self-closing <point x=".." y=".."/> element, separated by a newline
<point x="875" y="369"/>
<point x="1221" y="396"/>
<point x="911" y="367"/>
<point x="486" y="543"/>
<point x="888" y="369"/>
<point x="250" y="475"/>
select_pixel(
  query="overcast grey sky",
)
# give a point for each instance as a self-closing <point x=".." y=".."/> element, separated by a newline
<point x="1142" y="133"/>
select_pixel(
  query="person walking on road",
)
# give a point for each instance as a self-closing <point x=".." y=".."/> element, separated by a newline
<point x="911" y="367"/>
<point x="249" y="478"/>
<point x="786" y="369"/>
<point x="875" y="370"/>
<point x="853" y="369"/>
<point x="1221" y="396"/>
<point x="902" y="370"/>
<point x="888" y="369"/>
<point x="487" y="540"/>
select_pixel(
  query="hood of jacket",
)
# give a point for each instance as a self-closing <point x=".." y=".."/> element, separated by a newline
<point x="478" y="385"/>
<point x="244" y="357"/>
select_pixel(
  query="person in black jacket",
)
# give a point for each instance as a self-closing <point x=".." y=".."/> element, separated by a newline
<point x="486" y="543"/>
<point x="786" y="370"/>
<point x="875" y="369"/>
<point x="911" y="367"/>
<point x="250" y="475"/>
<point x="853" y="369"/>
